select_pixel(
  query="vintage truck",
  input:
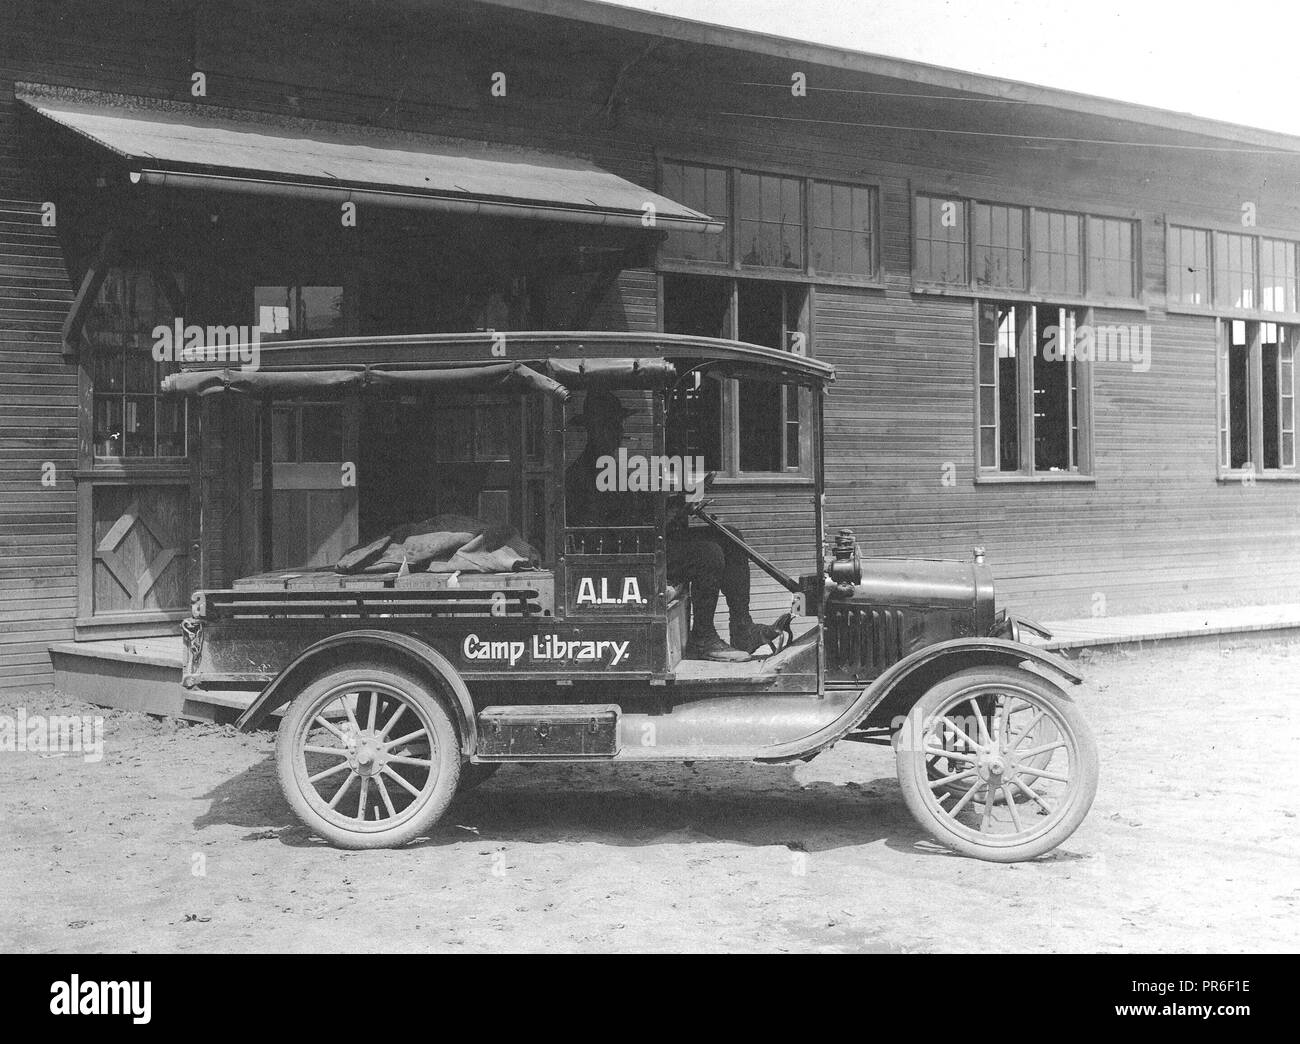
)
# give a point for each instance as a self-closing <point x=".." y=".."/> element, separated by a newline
<point x="396" y="688"/>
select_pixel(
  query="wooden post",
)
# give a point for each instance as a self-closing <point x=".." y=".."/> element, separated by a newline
<point x="268" y="481"/>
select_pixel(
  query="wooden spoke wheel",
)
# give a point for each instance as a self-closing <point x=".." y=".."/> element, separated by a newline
<point x="997" y="763"/>
<point x="368" y="757"/>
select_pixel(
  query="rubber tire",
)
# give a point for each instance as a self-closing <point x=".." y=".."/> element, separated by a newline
<point x="912" y="778"/>
<point x="472" y="775"/>
<point x="445" y="736"/>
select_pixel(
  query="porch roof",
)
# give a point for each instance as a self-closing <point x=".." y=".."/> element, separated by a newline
<point x="208" y="147"/>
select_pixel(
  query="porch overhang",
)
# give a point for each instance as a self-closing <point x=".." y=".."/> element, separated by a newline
<point x="189" y="146"/>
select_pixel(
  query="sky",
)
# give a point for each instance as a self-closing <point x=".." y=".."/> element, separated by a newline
<point x="1231" y="60"/>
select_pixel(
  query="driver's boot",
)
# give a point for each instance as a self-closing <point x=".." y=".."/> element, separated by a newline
<point x="708" y="646"/>
<point x="747" y="635"/>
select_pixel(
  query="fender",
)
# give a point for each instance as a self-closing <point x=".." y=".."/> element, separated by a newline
<point x="409" y="648"/>
<point x="917" y="673"/>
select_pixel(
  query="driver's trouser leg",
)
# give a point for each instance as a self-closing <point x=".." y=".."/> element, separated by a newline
<point x="735" y="579"/>
<point x="700" y="561"/>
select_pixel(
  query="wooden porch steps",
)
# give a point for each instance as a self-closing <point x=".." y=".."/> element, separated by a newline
<point x="140" y="674"/>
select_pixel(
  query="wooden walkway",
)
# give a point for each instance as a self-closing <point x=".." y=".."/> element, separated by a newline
<point x="1253" y="621"/>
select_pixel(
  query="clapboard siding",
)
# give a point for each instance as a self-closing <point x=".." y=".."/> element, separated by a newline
<point x="38" y="421"/>
<point x="1155" y="530"/>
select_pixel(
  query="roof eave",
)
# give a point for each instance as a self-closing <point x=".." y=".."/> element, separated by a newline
<point x="709" y="34"/>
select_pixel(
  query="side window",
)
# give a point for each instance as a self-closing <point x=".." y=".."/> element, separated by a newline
<point x="939" y="241"/>
<point x="999" y="245"/>
<point x="706" y="189"/>
<point x="1257" y="391"/>
<point x="131" y="419"/>
<point x="303" y="311"/>
<point x="740" y="427"/>
<point x="1031" y="402"/>
<point x="1112" y="258"/>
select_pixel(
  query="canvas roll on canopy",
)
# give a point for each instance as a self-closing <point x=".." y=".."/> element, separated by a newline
<point x="185" y="145"/>
<point x="553" y="377"/>
<point x="300" y="382"/>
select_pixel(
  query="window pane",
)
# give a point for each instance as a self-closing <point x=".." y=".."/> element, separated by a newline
<point x="999" y="234"/>
<point x="701" y="306"/>
<point x="1277" y="275"/>
<point x="108" y="426"/>
<point x="1054" y="387"/>
<point x="138" y="425"/>
<point x="1268" y="372"/>
<point x="1001" y="327"/>
<point x="1058" y="258"/>
<point x="125" y="377"/>
<point x="1234" y="270"/>
<point x="1237" y="405"/>
<point x="1188" y="266"/>
<point x="769" y="212"/>
<point x="1112" y="259"/>
<point x="939" y="243"/>
<point x="1286" y="394"/>
<point x="844" y="229"/>
<point x="760" y="314"/>
<point x="703" y="189"/>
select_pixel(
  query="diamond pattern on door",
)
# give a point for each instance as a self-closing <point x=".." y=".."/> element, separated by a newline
<point x="141" y="562"/>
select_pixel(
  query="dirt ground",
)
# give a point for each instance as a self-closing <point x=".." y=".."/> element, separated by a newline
<point x="179" y="840"/>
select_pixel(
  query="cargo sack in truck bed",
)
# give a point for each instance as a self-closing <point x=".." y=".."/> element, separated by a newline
<point x="443" y="544"/>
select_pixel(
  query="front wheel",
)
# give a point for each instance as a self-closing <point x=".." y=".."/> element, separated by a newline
<point x="997" y="763"/>
<point x="368" y="757"/>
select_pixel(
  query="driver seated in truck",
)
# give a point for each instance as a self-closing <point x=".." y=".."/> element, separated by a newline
<point x="711" y="564"/>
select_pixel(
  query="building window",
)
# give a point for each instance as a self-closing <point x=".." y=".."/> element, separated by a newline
<point x="302" y="311"/>
<point x="1257" y="396"/>
<point x="1188" y="266"/>
<point x="706" y="189"/>
<point x="769" y="219"/>
<point x="939" y="242"/>
<point x="1030" y="399"/>
<point x="978" y="245"/>
<point x="130" y="418"/>
<point x="999" y="245"/>
<point x="1112" y="258"/>
<point x="844" y="230"/>
<point x="1277" y="275"/>
<point x="774" y="222"/>
<point x="1234" y="270"/>
<point x="1058" y="252"/>
<point x="741" y="428"/>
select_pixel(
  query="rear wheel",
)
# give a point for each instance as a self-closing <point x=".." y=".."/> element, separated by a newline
<point x="368" y="757"/>
<point x="997" y="763"/>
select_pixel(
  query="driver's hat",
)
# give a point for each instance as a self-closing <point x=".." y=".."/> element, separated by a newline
<point x="600" y="406"/>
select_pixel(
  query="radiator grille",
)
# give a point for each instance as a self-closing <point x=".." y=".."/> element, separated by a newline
<point x="863" y="640"/>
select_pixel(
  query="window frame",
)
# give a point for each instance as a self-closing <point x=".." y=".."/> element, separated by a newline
<point x="92" y="394"/>
<point x="1028" y="473"/>
<point x="729" y="473"/>
<point x="1255" y="405"/>
<point x="1033" y="293"/>
<point x="1258" y="234"/>
<point x="807" y="274"/>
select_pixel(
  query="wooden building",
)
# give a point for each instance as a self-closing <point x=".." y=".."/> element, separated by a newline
<point x="1063" y="326"/>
